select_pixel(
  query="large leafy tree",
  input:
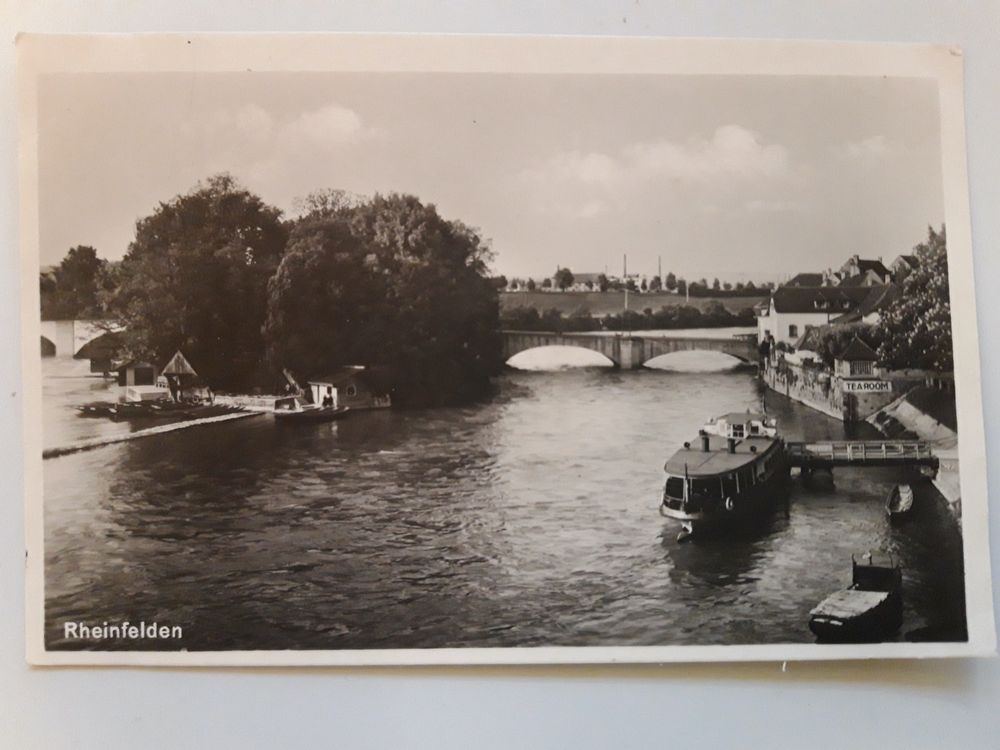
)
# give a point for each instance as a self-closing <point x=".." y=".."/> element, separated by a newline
<point x="195" y="279"/>
<point x="76" y="287"/>
<point x="915" y="329"/>
<point x="387" y="283"/>
<point x="563" y="278"/>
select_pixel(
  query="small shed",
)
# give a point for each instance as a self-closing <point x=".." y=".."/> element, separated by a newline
<point x="136" y="372"/>
<point x="857" y="359"/>
<point x="182" y="379"/>
<point x="353" y="386"/>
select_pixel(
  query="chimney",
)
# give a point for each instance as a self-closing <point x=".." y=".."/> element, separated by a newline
<point x="732" y="445"/>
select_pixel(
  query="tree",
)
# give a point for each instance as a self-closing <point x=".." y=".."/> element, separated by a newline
<point x="393" y="285"/>
<point x="563" y="279"/>
<point x="681" y="286"/>
<point x="515" y="284"/>
<point x="750" y="285"/>
<point x="716" y="286"/>
<point x="671" y="281"/>
<point x="546" y="283"/>
<point x="77" y="287"/>
<point x="655" y="284"/>
<point x="500" y="282"/>
<point x="644" y="286"/>
<point x="195" y="279"/>
<point x="530" y="285"/>
<point x="603" y="283"/>
<point x="727" y="286"/>
<point x="915" y="328"/>
<point x="630" y="285"/>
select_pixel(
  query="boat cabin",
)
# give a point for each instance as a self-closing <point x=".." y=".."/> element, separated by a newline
<point x="355" y="387"/>
<point x="741" y="425"/>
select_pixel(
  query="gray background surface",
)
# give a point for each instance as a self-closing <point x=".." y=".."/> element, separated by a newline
<point x="862" y="705"/>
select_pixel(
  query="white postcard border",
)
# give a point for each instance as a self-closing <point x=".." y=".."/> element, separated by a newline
<point x="41" y="54"/>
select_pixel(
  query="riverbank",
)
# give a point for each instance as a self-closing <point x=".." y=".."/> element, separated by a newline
<point x="904" y="416"/>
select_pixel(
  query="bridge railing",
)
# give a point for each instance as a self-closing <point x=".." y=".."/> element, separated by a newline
<point x="861" y="451"/>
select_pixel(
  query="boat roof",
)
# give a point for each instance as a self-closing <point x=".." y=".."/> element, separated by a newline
<point x="849" y="603"/>
<point x="740" y="417"/>
<point x="717" y="459"/>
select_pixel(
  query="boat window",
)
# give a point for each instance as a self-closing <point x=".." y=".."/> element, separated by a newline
<point x="675" y="487"/>
<point x="736" y="430"/>
<point x="708" y="487"/>
<point x="754" y="428"/>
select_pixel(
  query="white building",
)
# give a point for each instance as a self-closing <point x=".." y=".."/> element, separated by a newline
<point x="794" y="310"/>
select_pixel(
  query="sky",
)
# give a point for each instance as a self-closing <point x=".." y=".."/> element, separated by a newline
<point x="736" y="177"/>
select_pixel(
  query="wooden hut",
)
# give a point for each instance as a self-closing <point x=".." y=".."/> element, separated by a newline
<point x="354" y="386"/>
<point x="182" y="380"/>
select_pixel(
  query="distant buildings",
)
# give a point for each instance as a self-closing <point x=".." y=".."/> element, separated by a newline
<point x="855" y="293"/>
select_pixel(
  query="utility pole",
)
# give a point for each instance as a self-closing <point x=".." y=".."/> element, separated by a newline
<point x="625" y="277"/>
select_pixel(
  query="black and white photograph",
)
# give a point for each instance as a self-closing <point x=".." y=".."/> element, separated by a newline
<point x="451" y="350"/>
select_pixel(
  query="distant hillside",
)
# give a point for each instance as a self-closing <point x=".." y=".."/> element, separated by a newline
<point x="604" y="303"/>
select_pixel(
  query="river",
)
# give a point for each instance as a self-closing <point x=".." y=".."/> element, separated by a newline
<point x="529" y="519"/>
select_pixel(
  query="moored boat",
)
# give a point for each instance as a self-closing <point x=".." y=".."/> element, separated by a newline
<point x="899" y="502"/>
<point x="733" y="473"/>
<point x="292" y="411"/>
<point x="871" y="609"/>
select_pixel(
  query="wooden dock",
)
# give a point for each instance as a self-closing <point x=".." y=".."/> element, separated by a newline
<point x="98" y="442"/>
<point x="827" y="455"/>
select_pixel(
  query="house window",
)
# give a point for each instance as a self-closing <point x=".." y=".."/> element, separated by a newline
<point x="862" y="368"/>
<point x="793" y="331"/>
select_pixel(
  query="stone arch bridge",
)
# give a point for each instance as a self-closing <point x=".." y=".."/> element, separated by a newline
<point x="66" y="338"/>
<point x="629" y="351"/>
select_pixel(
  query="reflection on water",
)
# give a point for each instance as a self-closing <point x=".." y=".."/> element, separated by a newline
<point x="527" y="520"/>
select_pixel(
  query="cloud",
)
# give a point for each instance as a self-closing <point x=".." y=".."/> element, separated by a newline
<point x="586" y="184"/>
<point x="328" y="127"/>
<point x="731" y="152"/>
<point x="873" y="147"/>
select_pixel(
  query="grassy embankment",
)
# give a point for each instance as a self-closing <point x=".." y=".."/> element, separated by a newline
<point x="600" y="304"/>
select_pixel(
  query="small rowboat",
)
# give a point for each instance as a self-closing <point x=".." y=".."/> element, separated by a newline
<point x="291" y="411"/>
<point x="899" y="502"/>
<point x="870" y="610"/>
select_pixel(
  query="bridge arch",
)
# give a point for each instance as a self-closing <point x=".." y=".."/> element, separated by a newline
<point x="556" y="356"/>
<point x="48" y="347"/>
<point x="629" y="351"/>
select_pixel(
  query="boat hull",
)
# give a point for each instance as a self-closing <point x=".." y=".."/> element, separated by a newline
<point x="755" y="504"/>
<point x="310" y="416"/>
<point x="874" y="625"/>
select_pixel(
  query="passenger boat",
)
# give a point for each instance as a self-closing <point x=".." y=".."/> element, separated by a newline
<point x="899" y="502"/>
<point x="292" y="411"/>
<point x="870" y="610"/>
<point x="732" y="473"/>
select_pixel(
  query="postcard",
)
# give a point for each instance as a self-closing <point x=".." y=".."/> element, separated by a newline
<point x="359" y="350"/>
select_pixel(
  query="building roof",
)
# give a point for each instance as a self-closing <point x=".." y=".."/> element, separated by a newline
<point x="806" y="279"/>
<point x="792" y="299"/>
<point x="178" y="365"/>
<point x="583" y="278"/>
<point x="873" y="265"/>
<point x="879" y="298"/>
<point x="860" y="279"/>
<point x="696" y="462"/>
<point x="339" y="376"/>
<point x="858" y="351"/>
<point x="133" y="363"/>
<point x="911" y="260"/>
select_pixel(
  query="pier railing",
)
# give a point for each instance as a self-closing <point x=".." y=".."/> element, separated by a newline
<point x="861" y="453"/>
